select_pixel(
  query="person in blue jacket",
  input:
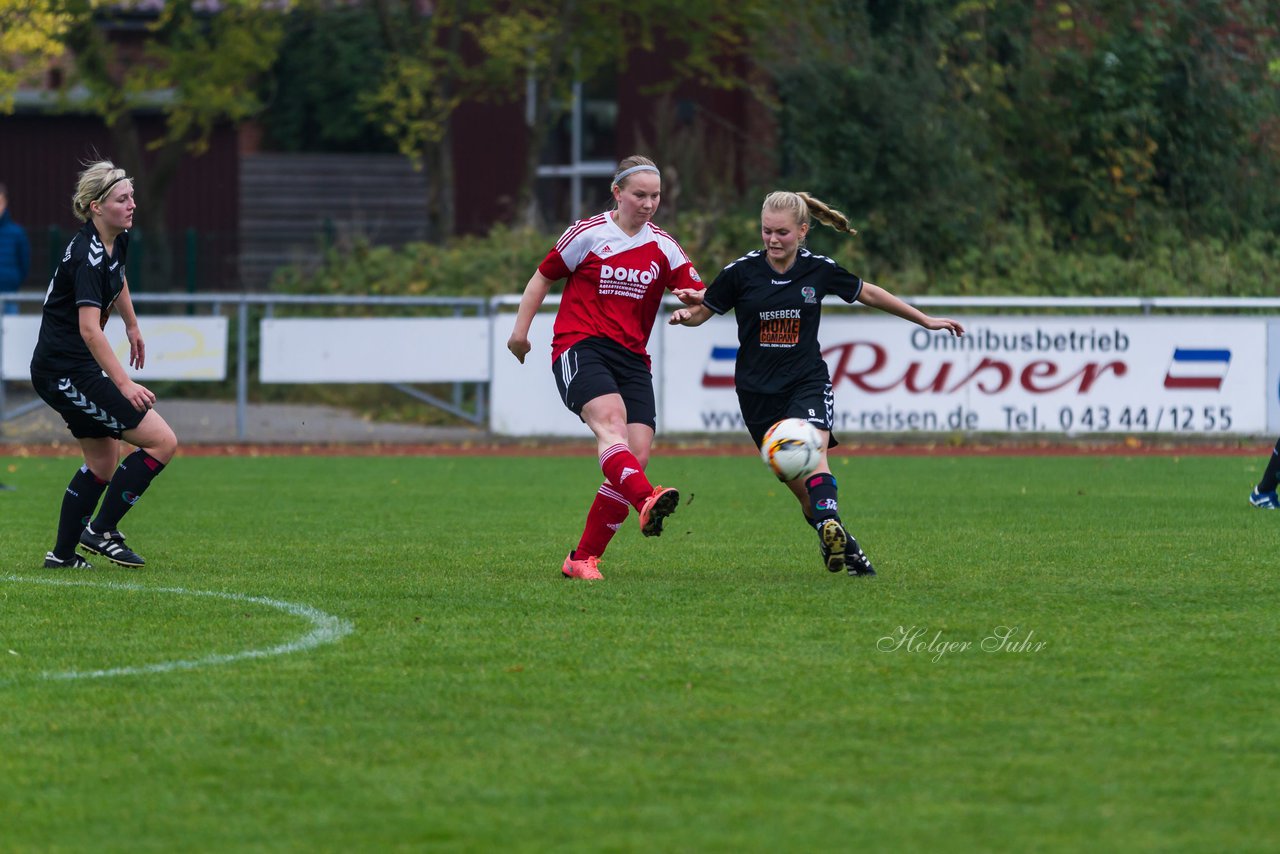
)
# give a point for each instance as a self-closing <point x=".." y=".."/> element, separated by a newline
<point x="15" y="259"/>
<point x="15" y="252"/>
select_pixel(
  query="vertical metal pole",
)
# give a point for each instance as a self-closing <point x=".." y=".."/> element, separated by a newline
<point x="530" y="97"/>
<point x="242" y="365"/>
<point x="137" y="254"/>
<point x="492" y="311"/>
<point x="3" y="308"/>
<point x="457" y="386"/>
<point x="55" y="248"/>
<point x="192" y="270"/>
<point x="575" y="155"/>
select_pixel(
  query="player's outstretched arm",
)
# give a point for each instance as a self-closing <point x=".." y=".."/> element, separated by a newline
<point x="875" y="296"/>
<point x="137" y="348"/>
<point x="95" y="339"/>
<point x="694" y="315"/>
<point x="534" y="294"/>
<point x="689" y="296"/>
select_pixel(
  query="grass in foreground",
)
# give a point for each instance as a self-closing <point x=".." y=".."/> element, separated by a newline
<point x="718" y="691"/>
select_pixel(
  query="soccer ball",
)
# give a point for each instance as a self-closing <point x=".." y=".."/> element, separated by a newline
<point x="792" y="448"/>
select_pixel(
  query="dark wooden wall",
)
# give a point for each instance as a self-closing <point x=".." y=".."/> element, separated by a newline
<point x="234" y="214"/>
<point x="294" y="206"/>
<point x="41" y="155"/>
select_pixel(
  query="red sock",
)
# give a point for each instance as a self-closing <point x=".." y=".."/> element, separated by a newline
<point x="605" y="517"/>
<point x="622" y="470"/>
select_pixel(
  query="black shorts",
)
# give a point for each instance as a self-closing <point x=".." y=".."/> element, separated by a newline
<point x="597" y="366"/>
<point x="812" y="402"/>
<point x="89" y="402"/>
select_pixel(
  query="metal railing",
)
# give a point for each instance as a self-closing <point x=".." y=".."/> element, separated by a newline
<point x="1143" y="305"/>
<point x="240" y="304"/>
<point x="217" y="304"/>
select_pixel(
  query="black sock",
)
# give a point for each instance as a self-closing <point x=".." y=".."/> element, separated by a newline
<point x="77" y="506"/>
<point x="822" y="498"/>
<point x="127" y="485"/>
<point x="1272" y="474"/>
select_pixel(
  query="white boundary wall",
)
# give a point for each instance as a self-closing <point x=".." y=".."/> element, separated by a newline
<point x="177" y="348"/>
<point x="1208" y="374"/>
<point x="375" y="350"/>
<point x="1201" y="373"/>
<point x="1016" y="375"/>
<point x="1271" y="391"/>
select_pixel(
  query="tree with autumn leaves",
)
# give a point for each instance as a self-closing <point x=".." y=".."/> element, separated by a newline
<point x="202" y="62"/>
<point x="194" y="62"/>
<point x="532" y="52"/>
<point x="945" y="126"/>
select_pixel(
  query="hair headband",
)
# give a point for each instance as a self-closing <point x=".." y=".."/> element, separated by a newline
<point x="643" y="167"/>
<point x="107" y="189"/>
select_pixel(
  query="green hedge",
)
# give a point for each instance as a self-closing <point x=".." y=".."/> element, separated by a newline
<point x="1015" y="261"/>
<point x="500" y="263"/>
<point x="1019" y="260"/>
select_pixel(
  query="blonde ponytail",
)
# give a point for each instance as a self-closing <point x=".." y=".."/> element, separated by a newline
<point x="802" y="206"/>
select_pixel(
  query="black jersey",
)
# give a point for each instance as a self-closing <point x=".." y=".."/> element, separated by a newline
<point x="778" y="316"/>
<point x="86" y="275"/>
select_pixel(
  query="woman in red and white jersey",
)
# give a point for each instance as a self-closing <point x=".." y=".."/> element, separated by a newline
<point x="618" y="265"/>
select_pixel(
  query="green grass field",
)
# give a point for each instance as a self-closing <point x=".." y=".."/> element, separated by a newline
<point x="366" y="654"/>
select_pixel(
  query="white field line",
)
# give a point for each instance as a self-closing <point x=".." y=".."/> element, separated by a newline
<point x="326" y="628"/>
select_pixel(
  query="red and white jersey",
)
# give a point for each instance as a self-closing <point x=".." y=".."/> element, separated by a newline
<point x="615" y="282"/>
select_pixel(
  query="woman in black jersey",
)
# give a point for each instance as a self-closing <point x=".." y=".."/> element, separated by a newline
<point x="776" y="294"/>
<point x="1264" y="494"/>
<point x="75" y="371"/>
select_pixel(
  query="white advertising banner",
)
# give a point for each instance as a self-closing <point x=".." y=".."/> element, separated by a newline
<point x="1077" y="375"/>
<point x="1273" y="377"/>
<point x="177" y="348"/>
<point x="524" y="400"/>
<point x="375" y="350"/>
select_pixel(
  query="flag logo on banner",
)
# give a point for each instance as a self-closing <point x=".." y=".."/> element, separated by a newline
<point x="719" y="370"/>
<point x="1197" y="369"/>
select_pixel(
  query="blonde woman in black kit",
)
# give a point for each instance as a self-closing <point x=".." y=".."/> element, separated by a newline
<point x="776" y="295"/>
<point x="75" y="371"/>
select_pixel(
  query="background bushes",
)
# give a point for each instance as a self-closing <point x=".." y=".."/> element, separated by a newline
<point x="1095" y="148"/>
